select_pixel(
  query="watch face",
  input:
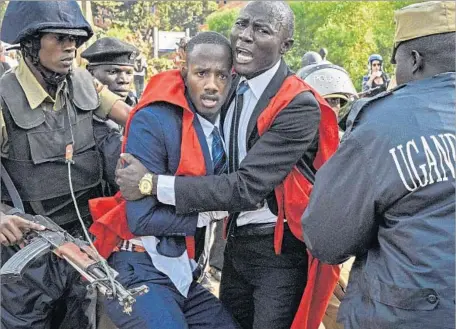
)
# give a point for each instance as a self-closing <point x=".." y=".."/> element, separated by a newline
<point x="145" y="187"/>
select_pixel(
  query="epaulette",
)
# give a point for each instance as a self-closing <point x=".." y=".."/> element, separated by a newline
<point x="361" y="104"/>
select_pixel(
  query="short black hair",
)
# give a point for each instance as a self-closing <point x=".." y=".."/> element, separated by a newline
<point x="282" y="12"/>
<point x="437" y="49"/>
<point x="209" y="38"/>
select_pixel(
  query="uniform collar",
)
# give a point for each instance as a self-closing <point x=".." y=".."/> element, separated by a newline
<point x="33" y="90"/>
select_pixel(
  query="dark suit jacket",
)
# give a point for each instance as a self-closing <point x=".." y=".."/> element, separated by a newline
<point x="292" y="139"/>
<point x="155" y="139"/>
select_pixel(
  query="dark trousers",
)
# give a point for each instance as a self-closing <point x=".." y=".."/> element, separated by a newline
<point x="261" y="289"/>
<point x="49" y="295"/>
<point x="163" y="307"/>
<point x="139" y="85"/>
<point x="218" y="247"/>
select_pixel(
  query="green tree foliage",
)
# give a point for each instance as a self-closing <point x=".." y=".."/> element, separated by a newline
<point x="133" y="21"/>
<point x="179" y="15"/>
<point x="350" y="30"/>
<point x="142" y="16"/>
<point x="222" y="21"/>
<point x="3" y="5"/>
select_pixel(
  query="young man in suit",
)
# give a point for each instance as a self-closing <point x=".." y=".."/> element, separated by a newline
<point x="262" y="284"/>
<point x="175" y="130"/>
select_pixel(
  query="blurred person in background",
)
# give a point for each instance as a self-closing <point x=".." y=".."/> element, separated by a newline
<point x="376" y="81"/>
<point x="324" y="55"/>
<point x="179" y="60"/>
<point x="140" y="70"/>
<point x="4" y="66"/>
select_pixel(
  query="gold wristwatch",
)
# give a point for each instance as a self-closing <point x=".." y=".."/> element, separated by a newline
<point x="145" y="184"/>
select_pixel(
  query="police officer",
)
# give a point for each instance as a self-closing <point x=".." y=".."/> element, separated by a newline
<point x="334" y="84"/>
<point x="331" y="81"/>
<point x="393" y="207"/>
<point x="310" y="58"/>
<point x="111" y="62"/>
<point x="47" y="108"/>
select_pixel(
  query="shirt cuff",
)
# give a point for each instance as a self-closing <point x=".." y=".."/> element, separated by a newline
<point x="219" y="215"/>
<point x="204" y="219"/>
<point x="165" y="190"/>
<point x="107" y="100"/>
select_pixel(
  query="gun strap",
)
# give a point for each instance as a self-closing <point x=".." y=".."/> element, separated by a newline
<point x="12" y="191"/>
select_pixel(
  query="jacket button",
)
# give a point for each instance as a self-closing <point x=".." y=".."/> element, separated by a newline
<point x="432" y="299"/>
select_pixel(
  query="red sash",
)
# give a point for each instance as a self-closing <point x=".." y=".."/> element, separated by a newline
<point x="292" y="199"/>
<point x="109" y="214"/>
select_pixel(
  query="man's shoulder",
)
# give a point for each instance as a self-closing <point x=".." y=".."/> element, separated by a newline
<point x="379" y="115"/>
<point x="304" y="98"/>
<point x="161" y="112"/>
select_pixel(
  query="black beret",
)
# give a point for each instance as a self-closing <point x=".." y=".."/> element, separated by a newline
<point x="110" y="51"/>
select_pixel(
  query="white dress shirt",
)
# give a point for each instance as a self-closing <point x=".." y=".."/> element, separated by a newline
<point x="257" y="85"/>
<point x="179" y="269"/>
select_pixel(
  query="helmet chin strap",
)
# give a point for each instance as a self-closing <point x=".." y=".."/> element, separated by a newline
<point x="53" y="79"/>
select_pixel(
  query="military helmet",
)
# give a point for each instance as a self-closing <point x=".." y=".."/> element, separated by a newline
<point x="328" y="80"/>
<point x="25" y="19"/>
<point x="311" y="57"/>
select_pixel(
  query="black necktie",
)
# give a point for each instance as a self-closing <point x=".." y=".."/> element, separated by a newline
<point x="234" y="147"/>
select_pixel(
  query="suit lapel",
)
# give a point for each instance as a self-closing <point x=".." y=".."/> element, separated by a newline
<point x="229" y="100"/>
<point x="270" y="91"/>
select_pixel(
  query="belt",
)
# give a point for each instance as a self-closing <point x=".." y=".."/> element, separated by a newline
<point x="255" y="229"/>
<point x="130" y="245"/>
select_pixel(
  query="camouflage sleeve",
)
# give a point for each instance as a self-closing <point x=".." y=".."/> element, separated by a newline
<point x="3" y="135"/>
<point x="107" y="100"/>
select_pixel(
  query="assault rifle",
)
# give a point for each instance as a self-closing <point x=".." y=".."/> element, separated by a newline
<point x="78" y="253"/>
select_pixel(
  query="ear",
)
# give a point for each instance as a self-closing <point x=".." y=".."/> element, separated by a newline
<point x="417" y="62"/>
<point x="286" y="45"/>
<point x="184" y="72"/>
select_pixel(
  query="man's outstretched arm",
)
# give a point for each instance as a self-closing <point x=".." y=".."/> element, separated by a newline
<point x="339" y="221"/>
<point x="266" y="165"/>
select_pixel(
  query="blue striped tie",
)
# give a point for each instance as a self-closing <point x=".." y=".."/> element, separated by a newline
<point x="218" y="153"/>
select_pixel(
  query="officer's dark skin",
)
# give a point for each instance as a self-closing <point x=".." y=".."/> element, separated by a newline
<point x="12" y="228"/>
<point x="56" y="54"/>
<point x="425" y="57"/>
<point x="118" y="78"/>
